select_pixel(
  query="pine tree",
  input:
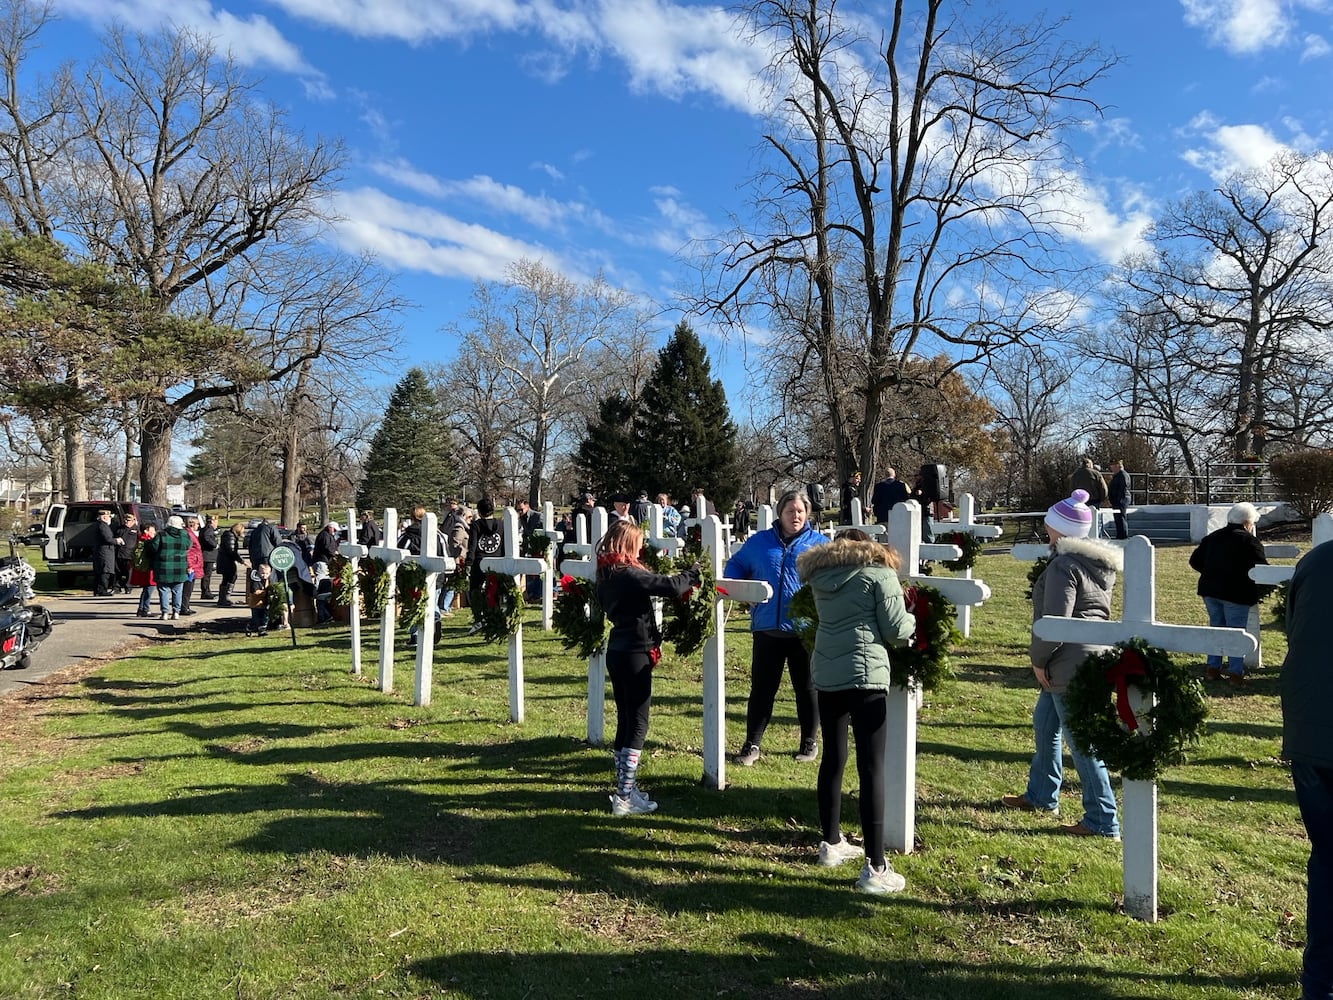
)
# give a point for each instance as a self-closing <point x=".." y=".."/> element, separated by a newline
<point x="604" y="460"/>
<point x="683" y="434"/>
<point x="411" y="458"/>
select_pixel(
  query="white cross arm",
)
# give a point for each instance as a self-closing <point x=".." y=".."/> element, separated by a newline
<point x="1272" y="574"/>
<point x="941" y="552"/>
<point x="388" y="553"/>
<point x="434" y="564"/>
<point x="1281" y="550"/>
<point x="513" y="567"/>
<point x="984" y="530"/>
<point x="1177" y="638"/>
<point x="578" y="548"/>
<point x="353" y="551"/>
<point x="579" y="569"/>
<point x="956" y="588"/>
<point x="746" y="591"/>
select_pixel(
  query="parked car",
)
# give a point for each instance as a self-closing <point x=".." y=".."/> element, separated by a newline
<point x="67" y="537"/>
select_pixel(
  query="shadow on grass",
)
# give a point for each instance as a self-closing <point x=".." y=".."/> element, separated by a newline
<point x="777" y="965"/>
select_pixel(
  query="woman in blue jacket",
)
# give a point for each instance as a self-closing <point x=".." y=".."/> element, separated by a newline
<point x="770" y="555"/>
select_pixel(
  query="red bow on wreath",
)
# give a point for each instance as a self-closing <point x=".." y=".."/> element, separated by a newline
<point x="920" y="610"/>
<point x="492" y="588"/>
<point x="1129" y="665"/>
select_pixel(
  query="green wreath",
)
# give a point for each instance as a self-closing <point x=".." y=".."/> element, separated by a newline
<point x="1098" y="715"/>
<point x="1280" y="593"/>
<point x="276" y="608"/>
<point x="688" y="621"/>
<point x="971" y="546"/>
<point x="925" y="661"/>
<point x="341" y="579"/>
<point x="411" y="579"/>
<point x="374" y="586"/>
<point x="656" y="560"/>
<point x="578" y="617"/>
<point x="534" y="545"/>
<point x="1037" y="568"/>
<point x="497" y="607"/>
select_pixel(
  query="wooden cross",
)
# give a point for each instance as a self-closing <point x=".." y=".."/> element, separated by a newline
<point x="586" y="569"/>
<point x="354" y="554"/>
<point x="900" y="744"/>
<point x="391" y="557"/>
<point x="434" y="563"/>
<point x="1139" y="831"/>
<point x="517" y="567"/>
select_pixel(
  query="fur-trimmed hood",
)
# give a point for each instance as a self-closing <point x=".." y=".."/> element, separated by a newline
<point x="1092" y="551"/>
<point x="841" y="554"/>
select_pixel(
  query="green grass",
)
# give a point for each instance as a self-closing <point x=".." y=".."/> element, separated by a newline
<point x="229" y="817"/>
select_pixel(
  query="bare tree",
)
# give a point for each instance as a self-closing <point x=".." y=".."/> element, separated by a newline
<point x="911" y="207"/>
<point x="1032" y="383"/>
<point x="536" y="329"/>
<point x="1236" y="298"/>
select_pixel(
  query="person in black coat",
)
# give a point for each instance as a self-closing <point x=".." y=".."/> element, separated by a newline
<point x="208" y="545"/>
<point x="485" y="541"/>
<point x="230" y="561"/>
<point x="105" y="542"/>
<point x="625" y="589"/>
<point x="1223" y="561"/>
<point x="887" y="494"/>
<point x="1118" y="490"/>
<point x="129" y="538"/>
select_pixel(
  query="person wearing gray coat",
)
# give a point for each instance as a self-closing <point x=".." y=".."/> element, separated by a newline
<point x="1076" y="583"/>
<point x="861" y="615"/>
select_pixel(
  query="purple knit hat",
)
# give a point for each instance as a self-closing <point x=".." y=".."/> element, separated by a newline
<point x="1071" y="517"/>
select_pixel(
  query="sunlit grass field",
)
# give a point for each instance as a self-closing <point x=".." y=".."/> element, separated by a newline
<point x="230" y="817"/>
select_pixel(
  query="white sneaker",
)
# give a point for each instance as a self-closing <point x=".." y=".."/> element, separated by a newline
<point x="879" y="882"/>
<point x="632" y="805"/>
<point x="832" y="855"/>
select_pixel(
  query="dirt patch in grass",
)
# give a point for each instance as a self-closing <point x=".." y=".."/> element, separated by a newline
<point x="20" y="726"/>
<point x="600" y="915"/>
<point x="232" y="906"/>
<point x="27" y="880"/>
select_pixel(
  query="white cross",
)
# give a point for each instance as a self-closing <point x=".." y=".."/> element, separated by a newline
<point x="354" y="554"/>
<point x="900" y="745"/>
<point x="1320" y="531"/>
<point x="967" y="524"/>
<point x="391" y="557"/>
<point x="517" y="567"/>
<point x="1139" y="620"/>
<point x="434" y="563"/>
<point x="586" y="569"/>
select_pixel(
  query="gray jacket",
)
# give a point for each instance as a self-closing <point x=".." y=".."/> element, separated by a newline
<point x="1307" y="674"/>
<point x="1077" y="583"/>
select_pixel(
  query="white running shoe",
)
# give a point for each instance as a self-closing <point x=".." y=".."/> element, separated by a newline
<point x="832" y="855"/>
<point x="632" y="805"/>
<point x="879" y="882"/>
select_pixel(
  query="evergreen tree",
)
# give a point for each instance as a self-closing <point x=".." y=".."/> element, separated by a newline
<point x="605" y="457"/>
<point x="411" y="458"/>
<point x="683" y="434"/>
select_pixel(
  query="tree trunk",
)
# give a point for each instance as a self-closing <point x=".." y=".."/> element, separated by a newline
<point x="75" y="466"/>
<point x="159" y="420"/>
<point x="291" y="475"/>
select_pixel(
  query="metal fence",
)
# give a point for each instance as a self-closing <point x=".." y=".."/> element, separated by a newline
<point x="1224" y="483"/>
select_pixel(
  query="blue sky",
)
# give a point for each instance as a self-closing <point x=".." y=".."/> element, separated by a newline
<point x="607" y="134"/>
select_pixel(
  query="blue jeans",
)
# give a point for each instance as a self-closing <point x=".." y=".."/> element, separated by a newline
<point x="1227" y="614"/>
<point x="169" y="596"/>
<point x="1314" y="795"/>
<point x="1047" y="769"/>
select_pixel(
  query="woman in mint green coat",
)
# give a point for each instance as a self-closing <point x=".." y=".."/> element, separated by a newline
<point x="861" y="614"/>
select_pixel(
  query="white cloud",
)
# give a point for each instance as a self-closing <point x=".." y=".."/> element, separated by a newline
<point x="549" y="170"/>
<point x="1314" y="47"/>
<point x="412" y="20"/>
<point x="1227" y="149"/>
<point x="1240" y="26"/>
<point x="252" y="41"/>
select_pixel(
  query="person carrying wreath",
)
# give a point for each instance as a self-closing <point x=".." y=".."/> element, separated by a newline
<point x="770" y="555"/>
<point x="1076" y="583"/>
<point x="625" y="589"/>
<point x="861" y="615"/>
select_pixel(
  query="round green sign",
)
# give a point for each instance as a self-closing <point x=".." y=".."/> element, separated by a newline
<point x="282" y="559"/>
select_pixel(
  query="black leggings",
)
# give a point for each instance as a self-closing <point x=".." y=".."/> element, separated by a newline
<point x="867" y="711"/>
<point x="770" y="653"/>
<point x="632" y="685"/>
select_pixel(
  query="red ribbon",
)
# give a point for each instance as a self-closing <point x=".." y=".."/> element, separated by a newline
<point x="919" y="609"/>
<point x="722" y="591"/>
<point x="492" y="588"/>
<point x="1131" y="664"/>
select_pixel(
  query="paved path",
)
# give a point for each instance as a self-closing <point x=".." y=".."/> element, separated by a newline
<point x="104" y="628"/>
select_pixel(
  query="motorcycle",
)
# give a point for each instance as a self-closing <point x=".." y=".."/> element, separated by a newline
<point x="23" y="626"/>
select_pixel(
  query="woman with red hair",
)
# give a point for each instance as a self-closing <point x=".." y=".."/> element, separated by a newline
<point x="625" y="588"/>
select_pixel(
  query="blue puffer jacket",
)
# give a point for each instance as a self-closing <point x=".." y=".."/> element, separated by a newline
<point x="765" y="556"/>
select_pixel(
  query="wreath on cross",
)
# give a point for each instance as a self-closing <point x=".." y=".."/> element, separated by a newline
<point x="1037" y="568"/>
<point x="411" y="578"/>
<point x="925" y="661"/>
<point x="688" y="621"/>
<point x="971" y="546"/>
<point x="374" y="586"/>
<point x="1100" y="718"/>
<point x="534" y="545"/>
<point x="341" y="579"/>
<point x="1279" y="606"/>
<point x="578" y="617"/>
<point x="498" y="609"/>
